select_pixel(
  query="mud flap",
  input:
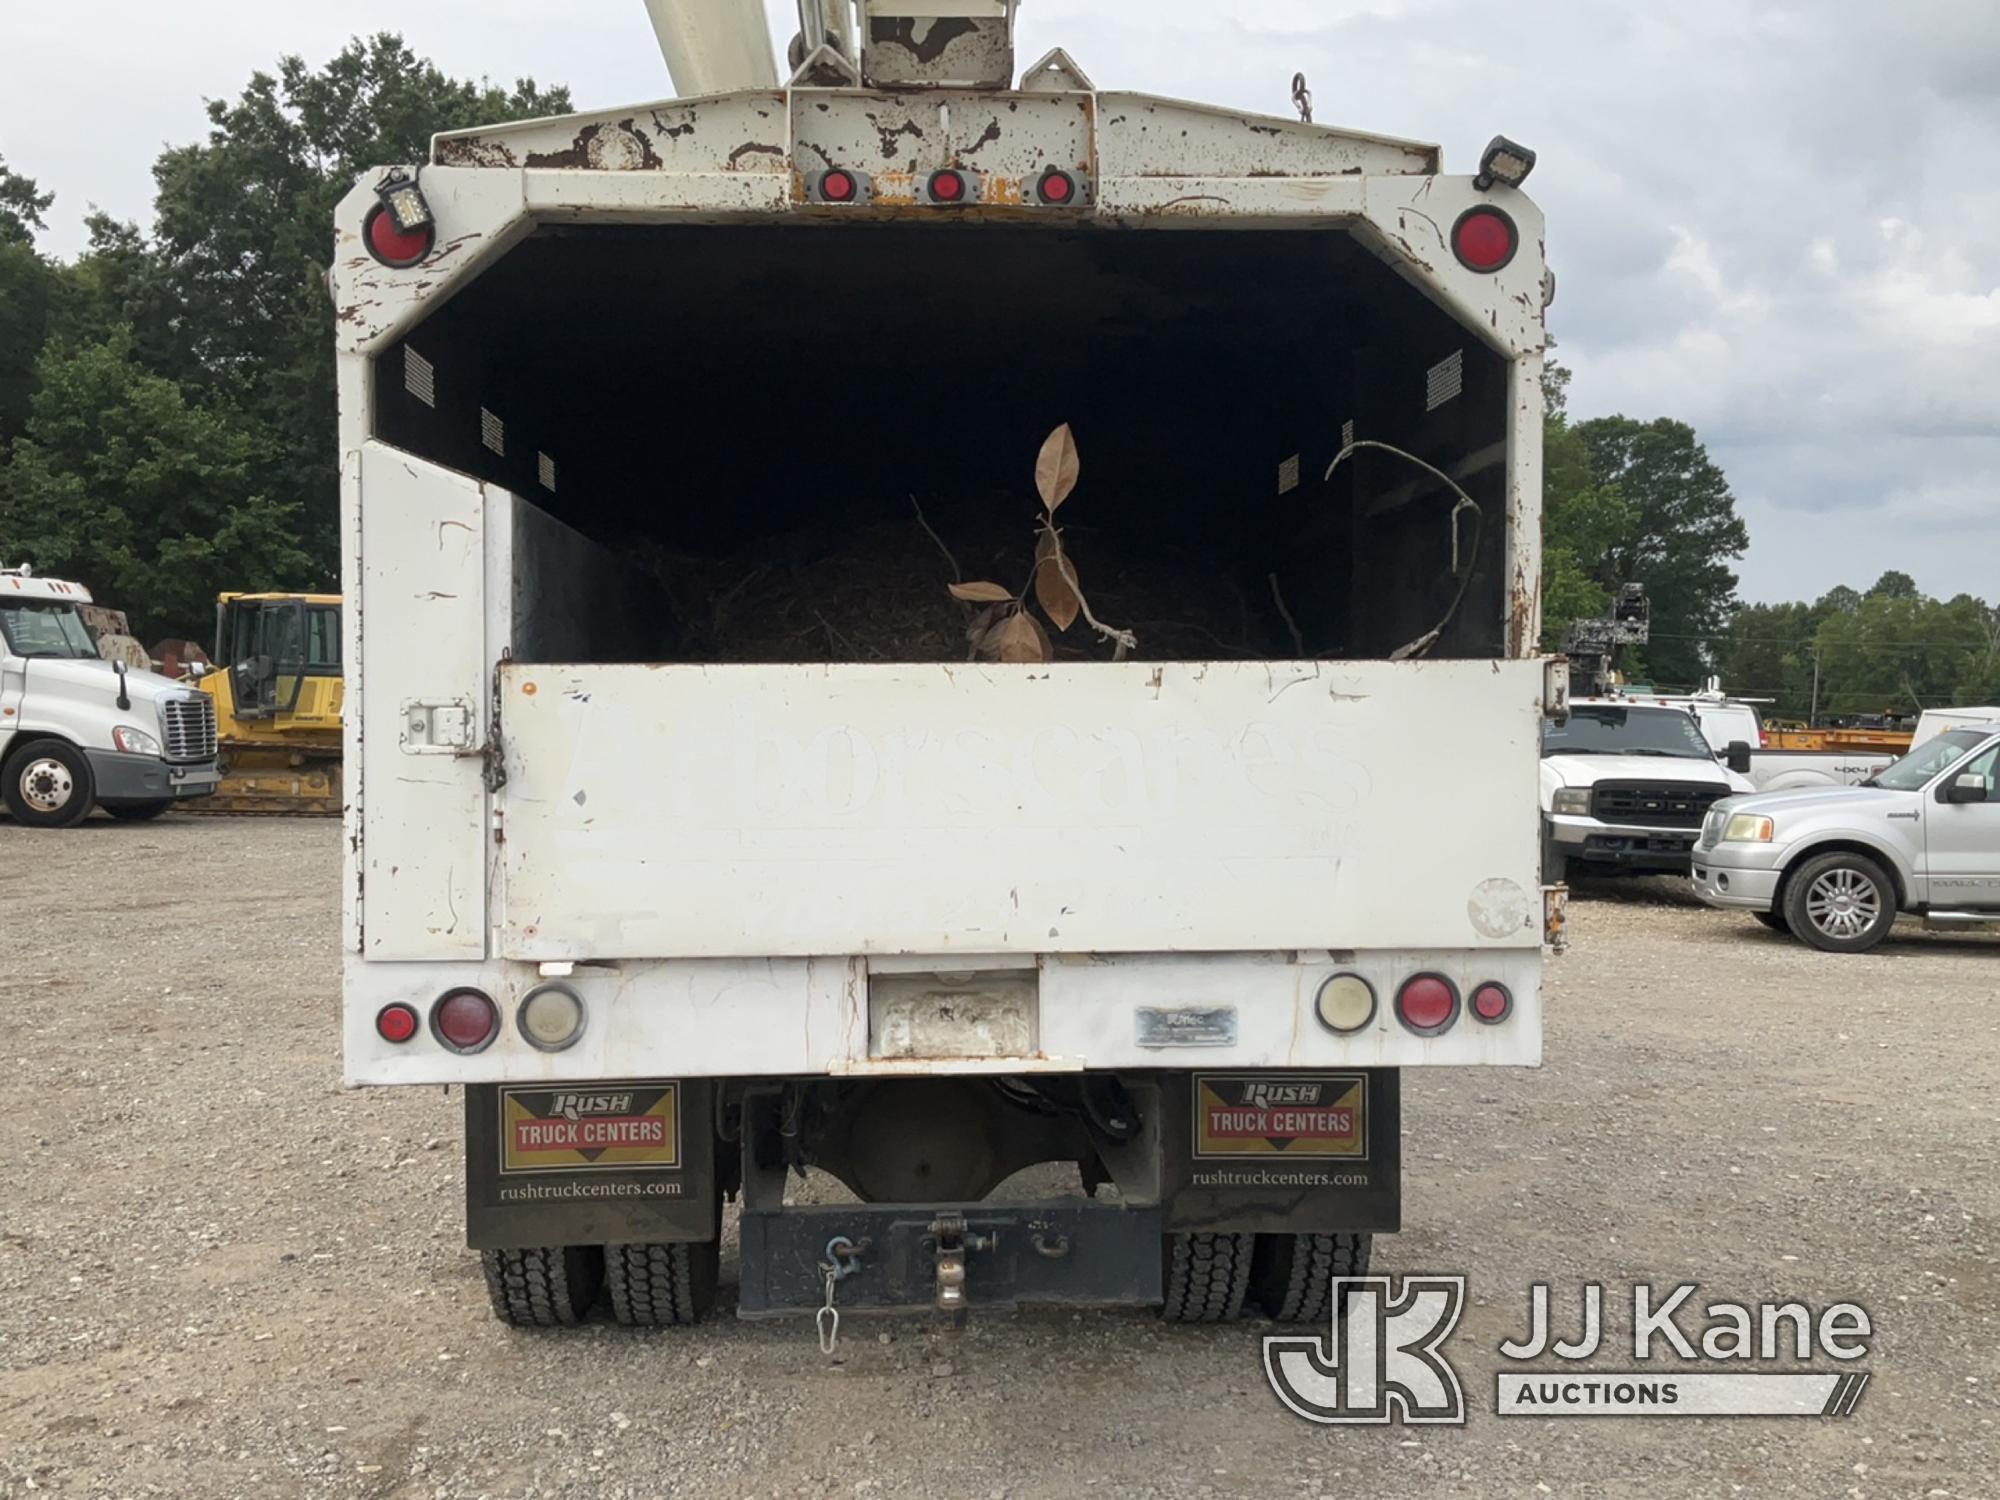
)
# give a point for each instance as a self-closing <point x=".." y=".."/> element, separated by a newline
<point x="589" y="1164"/>
<point x="1278" y="1153"/>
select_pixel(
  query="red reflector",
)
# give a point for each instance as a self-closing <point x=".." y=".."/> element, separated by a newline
<point x="837" y="187"/>
<point x="1057" y="187"/>
<point x="391" y="245"/>
<point x="1491" y="1002"/>
<point x="1484" y="239"/>
<point x="396" y="1023"/>
<point x="465" y="1020"/>
<point x="1427" y="1003"/>
<point x="947" y="187"/>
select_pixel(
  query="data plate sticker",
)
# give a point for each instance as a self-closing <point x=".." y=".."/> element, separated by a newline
<point x="1185" y="1026"/>
<point x="1294" y="1116"/>
<point x="582" y="1130"/>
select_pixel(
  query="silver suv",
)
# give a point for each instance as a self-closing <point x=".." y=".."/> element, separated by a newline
<point x="1834" y="865"/>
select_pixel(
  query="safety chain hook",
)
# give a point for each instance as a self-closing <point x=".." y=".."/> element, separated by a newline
<point x="1302" y="97"/>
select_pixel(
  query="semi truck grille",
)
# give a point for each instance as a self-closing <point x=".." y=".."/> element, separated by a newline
<point x="189" y="725"/>
<point x="1654" y="804"/>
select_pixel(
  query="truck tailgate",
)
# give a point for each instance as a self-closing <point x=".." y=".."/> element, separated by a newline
<point x="744" y="811"/>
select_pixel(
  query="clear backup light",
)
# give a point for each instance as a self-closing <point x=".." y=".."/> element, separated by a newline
<point x="1346" y="1003"/>
<point x="551" y="1017"/>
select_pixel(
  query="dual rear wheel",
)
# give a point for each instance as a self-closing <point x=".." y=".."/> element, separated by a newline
<point x="1213" y="1278"/>
<point x="648" y="1286"/>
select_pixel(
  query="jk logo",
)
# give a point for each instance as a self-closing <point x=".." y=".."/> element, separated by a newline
<point x="1380" y="1362"/>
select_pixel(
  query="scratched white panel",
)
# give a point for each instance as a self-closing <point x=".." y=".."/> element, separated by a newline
<point x="789" y="810"/>
<point x="423" y="639"/>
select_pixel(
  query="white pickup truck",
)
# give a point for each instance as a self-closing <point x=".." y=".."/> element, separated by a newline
<point x="78" y="732"/>
<point x="686" y="918"/>
<point x="1625" y="785"/>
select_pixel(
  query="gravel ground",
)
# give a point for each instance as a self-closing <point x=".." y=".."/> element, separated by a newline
<point x="222" y="1275"/>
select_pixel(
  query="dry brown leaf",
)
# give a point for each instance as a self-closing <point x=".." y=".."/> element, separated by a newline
<point x="1056" y="469"/>
<point x="1057" y="594"/>
<point x="981" y="593"/>
<point x="1018" y="638"/>
<point x="980" y="624"/>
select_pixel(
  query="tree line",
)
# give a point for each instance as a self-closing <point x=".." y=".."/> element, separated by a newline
<point x="1629" y="501"/>
<point x="167" y="411"/>
<point x="167" y="415"/>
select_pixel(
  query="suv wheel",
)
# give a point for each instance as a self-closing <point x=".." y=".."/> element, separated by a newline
<point x="1840" y="903"/>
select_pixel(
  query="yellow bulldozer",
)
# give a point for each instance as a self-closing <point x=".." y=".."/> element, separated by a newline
<point x="277" y="689"/>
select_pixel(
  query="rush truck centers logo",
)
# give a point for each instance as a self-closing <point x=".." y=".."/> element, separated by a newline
<point x="543" y="1130"/>
<point x="1317" y="1116"/>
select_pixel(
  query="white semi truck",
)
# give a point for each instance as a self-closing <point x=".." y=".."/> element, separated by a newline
<point x="79" y="732"/>
<point x="689" y="923"/>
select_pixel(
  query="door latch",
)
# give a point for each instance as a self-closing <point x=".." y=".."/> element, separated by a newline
<point x="447" y="727"/>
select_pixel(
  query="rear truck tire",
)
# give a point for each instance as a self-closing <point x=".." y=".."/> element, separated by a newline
<point x="137" y="812"/>
<point x="661" y="1286"/>
<point x="549" y="1286"/>
<point x="47" y="784"/>
<point x="1840" y="902"/>
<point x="1773" y="919"/>
<point x="1291" y="1275"/>
<point x="1207" y="1276"/>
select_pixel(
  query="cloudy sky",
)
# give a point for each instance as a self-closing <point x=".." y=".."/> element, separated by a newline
<point x="1777" y="221"/>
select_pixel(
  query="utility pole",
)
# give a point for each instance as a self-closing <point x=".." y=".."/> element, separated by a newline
<point x="1812" y="717"/>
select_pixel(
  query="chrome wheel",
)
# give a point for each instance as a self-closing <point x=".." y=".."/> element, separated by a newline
<point x="46" y="784"/>
<point x="1843" y="903"/>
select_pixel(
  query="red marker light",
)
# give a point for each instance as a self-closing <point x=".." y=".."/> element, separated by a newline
<point x="1484" y="239"/>
<point x="395" y="247"/>
<point x="837" y="187"/>
<point x="465" y="1020"/>
<point x="1427" y="1004"/>
<point x="1056" y="187"/>
<point x="396" y="1023"/>
<point x="1492" y="1003"/>
<point x="948" y="186"/>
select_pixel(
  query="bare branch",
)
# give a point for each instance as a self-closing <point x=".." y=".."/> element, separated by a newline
<point x="956" y="576"/>
<point x="1278" y="598"/>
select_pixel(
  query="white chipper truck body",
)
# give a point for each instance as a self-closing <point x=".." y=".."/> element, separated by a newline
<point x="688" y="920"/>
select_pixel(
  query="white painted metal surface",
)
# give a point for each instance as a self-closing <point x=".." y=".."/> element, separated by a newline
<point x="421" y="589"/>
<point x="712" y="46"/>
<point x="931" y="808"/>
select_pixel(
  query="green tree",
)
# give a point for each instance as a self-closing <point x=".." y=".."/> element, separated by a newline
<point x="1684" y="532"/>
<point x="29" y="288"/>
<point x="122" y="482"/>
<point x="243" y="238"/>
<point x="1904" y="652"/>
<point x="1580" y="517"/>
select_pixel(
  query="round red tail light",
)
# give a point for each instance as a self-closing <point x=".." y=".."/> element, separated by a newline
<point x="1056" y="186"/>
<point x="394" y="247"/>
<point x="1484" y="239"/>
<point x="948" y="186"/>
<point x="1427" y="1004"/>
<point x="837" y="187"/>
<point x="396" y="1023"/>
<point x="465" y="1020"/>
<point x="1491" y="1002"/>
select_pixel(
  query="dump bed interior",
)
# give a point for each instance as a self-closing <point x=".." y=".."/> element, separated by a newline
<point x="800" y="431"/>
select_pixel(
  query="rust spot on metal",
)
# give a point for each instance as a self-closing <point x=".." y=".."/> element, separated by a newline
<point x="889" y="136"/>
<point x="603" y="148"/>
<point x="673" y="132"/>
<point x="475" y="153"/>
<point x="751" y="148"/>
<point x="986" y="138"/>
<point x="902" y="30"/>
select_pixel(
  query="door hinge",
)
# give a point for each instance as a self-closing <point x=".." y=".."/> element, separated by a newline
<point x="1555" y="689"/>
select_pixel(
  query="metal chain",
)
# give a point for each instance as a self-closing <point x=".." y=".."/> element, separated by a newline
<point x="1302" y="97"/>
<point x="827" y="1319"/>
<point x="843" y="1259"/>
